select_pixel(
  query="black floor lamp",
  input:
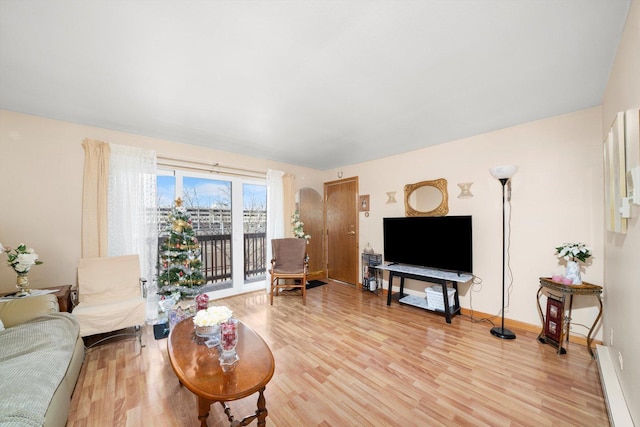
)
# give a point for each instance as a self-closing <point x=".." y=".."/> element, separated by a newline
<point x="504" y="174"/>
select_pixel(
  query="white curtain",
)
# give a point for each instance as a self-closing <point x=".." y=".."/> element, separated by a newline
<point x="132" y="211"/>
<point x="275" y="212"/>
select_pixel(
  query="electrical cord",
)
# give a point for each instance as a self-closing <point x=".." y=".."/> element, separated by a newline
<point x="478" y="281"/>
<point x="508" y="253"/>
<point x="476" y="286"/>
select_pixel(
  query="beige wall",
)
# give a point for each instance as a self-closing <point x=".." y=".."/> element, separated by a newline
<point x="622" y="268"/>
<point x="556" y="197"/>
<point x="41" y="164"/>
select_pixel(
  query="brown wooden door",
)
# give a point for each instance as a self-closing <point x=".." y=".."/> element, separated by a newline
<point x="312" y="214"/>
<point x="341" y="225"/>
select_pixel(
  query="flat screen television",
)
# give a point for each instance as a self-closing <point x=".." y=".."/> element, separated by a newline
<point x="440" y="242"/>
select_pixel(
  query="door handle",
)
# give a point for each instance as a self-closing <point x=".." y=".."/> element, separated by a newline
<point x="351" y="232"/>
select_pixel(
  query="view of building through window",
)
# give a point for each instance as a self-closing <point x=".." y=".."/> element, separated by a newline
<point x="208" y="202"/>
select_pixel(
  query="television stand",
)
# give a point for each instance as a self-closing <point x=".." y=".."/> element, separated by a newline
<point x="430" y="275"/>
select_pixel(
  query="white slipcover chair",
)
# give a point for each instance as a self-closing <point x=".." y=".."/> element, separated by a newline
<point x="111" y="296"/>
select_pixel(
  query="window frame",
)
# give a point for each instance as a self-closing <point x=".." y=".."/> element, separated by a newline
<point x="238" y="282"/>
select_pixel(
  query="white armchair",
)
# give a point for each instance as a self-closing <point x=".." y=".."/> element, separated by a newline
<point x="111" y="296"/>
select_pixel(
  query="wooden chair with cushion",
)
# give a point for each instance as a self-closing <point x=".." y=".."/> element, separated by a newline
<point x="289" y="266"/>
<point x="111" y="296"/>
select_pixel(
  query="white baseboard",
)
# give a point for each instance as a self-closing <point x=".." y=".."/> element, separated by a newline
<point x="619" y="415"/>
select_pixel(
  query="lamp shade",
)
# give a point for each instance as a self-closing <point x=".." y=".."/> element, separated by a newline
<point x="503" y="172"/>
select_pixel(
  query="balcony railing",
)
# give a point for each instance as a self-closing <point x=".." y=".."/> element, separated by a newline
<point x="255" y="255"/>
<point x="216" y="256"/>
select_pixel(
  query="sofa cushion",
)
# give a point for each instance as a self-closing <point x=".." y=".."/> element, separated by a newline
<point x="34" y="358"/>
<point x="21" y="310"/>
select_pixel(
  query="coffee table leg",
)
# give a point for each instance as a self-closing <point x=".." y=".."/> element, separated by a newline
<point x="262" y="409"/>
<point x="203" y="411"/>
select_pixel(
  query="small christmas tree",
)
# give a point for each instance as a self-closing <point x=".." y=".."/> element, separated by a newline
<point x="180" y="264"/>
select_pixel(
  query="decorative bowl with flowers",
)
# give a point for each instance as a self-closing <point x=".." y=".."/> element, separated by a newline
<point x="207" y="322"/>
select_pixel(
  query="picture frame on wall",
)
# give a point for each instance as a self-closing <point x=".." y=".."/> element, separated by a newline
<point x="632" y="138"/>
<point x="632" y="158"/>
<point x="364" y="203"/>
<point x="615" y="175"/>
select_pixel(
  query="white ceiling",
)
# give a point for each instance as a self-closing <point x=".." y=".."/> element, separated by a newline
<point x="317" y="83"/>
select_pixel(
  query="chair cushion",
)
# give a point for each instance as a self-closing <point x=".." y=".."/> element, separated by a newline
<point x="108" y="279"/>
<point x="101" y="318"/>
<point x="289" y="255"/>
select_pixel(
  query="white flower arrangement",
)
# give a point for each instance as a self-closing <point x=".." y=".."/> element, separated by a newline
<point x="298" y="227"/>
<point x="212" y="316"/>
<point x="21" y="259"/>
<point x="574" y="252"/>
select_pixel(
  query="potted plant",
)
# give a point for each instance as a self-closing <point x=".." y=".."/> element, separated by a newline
<point x="573" y="253"/>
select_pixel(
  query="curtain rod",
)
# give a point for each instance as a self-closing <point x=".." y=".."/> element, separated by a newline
<point x="211" y="167"/>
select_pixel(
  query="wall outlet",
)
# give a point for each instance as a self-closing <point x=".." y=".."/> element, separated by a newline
<point x="611" y="338"/>
<point x="620" y="360"/>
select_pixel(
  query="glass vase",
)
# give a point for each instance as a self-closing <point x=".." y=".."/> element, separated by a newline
<point x="228" y="342"/>
<point x="202" y="302"/>
<point x="229" y="334"/>
<point x="22" y="283"/>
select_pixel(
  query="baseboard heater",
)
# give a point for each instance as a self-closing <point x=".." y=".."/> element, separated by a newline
<point x="619" y="415"/>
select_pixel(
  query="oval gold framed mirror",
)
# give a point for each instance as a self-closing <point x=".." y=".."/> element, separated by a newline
<point x="426" y="198"/>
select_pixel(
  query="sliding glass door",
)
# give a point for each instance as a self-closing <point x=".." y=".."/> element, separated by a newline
<point x="228" y="215"/>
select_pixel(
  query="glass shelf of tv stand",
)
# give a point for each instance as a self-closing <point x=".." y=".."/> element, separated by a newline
<point x="441" y="277"/>
<point x="422" y="303"/>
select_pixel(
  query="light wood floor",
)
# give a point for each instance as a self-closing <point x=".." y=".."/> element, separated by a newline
<point x="346" y="359"/>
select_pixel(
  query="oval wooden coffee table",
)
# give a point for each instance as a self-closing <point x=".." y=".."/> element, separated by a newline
<point x="198" y="369"/>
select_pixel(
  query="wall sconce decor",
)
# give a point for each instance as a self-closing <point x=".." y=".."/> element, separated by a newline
<point x="391" y="197"/>
<point x="465" y="192"/>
